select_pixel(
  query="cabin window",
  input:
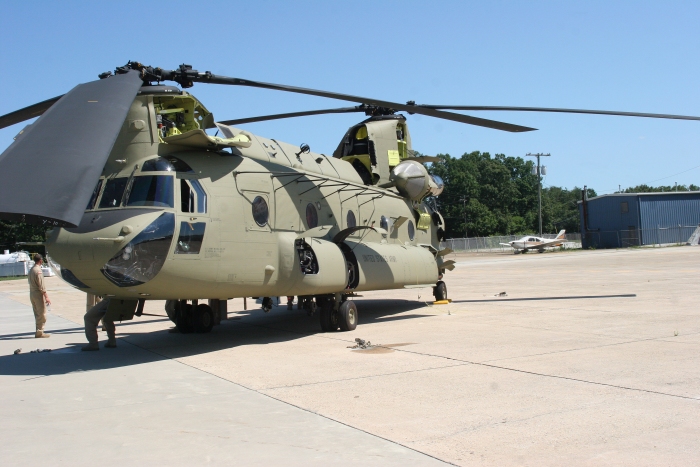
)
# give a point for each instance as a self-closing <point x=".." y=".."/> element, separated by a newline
<point x="114" y="190"/>
<point x="311" y="216"/>
<point x="624" y="207"/>
<point x="191" y="236"/>
<point x="260" y="211"/>
<point x="351" y="221"/>
<point x="411" y="230"/>
<point x="152" y="190"/>
<point x="95" y="194"/>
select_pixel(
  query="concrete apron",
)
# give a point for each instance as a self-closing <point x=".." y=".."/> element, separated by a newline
<point x="130" y="405"/>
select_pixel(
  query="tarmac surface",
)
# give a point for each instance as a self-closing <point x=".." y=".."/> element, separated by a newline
<point x="589" y="358"/>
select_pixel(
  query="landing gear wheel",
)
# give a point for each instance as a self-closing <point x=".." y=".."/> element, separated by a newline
<point x="540" y="251"/>
<point x="203" y="318"/>
<point x="267" y="304"/>
<point x="347" y="315"/>
<point x="328" y="317"/>
<point x="184" y="318"/>
<point x="440" y="291"/>
<point x="171" y="310"/>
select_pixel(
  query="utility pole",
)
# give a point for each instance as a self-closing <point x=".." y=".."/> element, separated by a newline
<point x="539" y="183"/>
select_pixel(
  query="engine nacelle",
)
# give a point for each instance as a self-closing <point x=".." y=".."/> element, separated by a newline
<point x="414" y="182"/>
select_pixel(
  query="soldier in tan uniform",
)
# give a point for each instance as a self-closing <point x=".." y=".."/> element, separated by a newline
<point x="38" y="295"/>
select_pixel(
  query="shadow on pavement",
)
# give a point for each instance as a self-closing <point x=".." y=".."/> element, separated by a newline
<point x="252" y="327"/>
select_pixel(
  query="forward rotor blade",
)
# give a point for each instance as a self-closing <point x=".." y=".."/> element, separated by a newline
<point x="214" y="79"/>
<point x="48" y="174"/>
<point x="28" y="112"/>
<point x="293" y="114"/>
<point x="570" y="111"/>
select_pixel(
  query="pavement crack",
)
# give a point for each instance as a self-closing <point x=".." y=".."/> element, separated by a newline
<point x="545" y="375"/>
<point x="362" y="377"/>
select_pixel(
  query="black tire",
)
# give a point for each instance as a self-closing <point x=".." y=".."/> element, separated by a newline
<point x="328" y="318"/>
<point x="203" y="318"/>
<point x="184" y="318"/>
<point x="540" y="251"/>
<point x="347" y="315"/>
<point x="171" y="310"/>
<point x="440" y="291"/>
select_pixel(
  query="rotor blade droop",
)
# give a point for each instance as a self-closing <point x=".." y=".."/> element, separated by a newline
<point x="48" y="174"/>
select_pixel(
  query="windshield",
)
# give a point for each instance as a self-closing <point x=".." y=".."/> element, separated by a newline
<point x="152" y="190"/>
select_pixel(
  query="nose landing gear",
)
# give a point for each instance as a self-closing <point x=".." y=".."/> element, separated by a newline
<point x="189" y="318"/>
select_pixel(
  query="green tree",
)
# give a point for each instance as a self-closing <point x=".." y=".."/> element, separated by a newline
<point x="486" y="195"/>
<point x="12" y="233"/>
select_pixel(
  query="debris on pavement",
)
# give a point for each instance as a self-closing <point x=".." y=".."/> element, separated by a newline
<point x="362" y="344"/>
<point x="40" y="350"/>
<point x="502" y="294"/>
<point x="18" y="351"/>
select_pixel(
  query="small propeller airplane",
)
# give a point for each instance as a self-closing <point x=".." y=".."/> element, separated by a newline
<point x="530" y="242"/>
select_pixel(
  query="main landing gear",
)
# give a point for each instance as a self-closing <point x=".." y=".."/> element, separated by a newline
<point x="194" y="317"/>
<point x="335" y="311"/>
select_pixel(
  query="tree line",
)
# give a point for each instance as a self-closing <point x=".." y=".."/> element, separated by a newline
<point x="497" y="195"/>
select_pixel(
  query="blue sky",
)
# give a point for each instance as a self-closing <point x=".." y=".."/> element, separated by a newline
<point x="625" y="55"/>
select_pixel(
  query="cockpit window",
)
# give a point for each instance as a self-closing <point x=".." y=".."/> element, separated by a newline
<point x="152" y="190"/>
<point x="114" y="190"/>
<point x="166" y="164"/>
<point x="95" y="194"/>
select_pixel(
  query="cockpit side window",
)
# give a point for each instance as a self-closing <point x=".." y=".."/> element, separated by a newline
<point x="113" y="192"/>
<point x="95" y="195"/>
<point x="193" y="198"/>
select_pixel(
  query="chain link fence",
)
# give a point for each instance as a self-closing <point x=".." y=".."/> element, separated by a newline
<point x="493" y="244"/>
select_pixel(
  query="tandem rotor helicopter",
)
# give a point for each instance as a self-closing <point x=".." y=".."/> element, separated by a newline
<point x="144" y="204"/>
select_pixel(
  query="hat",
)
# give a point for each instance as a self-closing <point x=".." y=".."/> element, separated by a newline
<point x="38" y="257"/>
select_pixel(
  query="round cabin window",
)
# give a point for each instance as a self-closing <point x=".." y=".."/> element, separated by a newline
<point x="260" y="211"/>
<point x="351" y="220"/>
<point x="411" y="230"/>
<point x="311" y="216"/>
<point x="384" y="223"/>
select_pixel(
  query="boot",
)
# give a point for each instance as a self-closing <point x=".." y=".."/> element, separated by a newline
<point x="91" y="347"/>
<point x="111" y="344"/>
<point x="39" y="334"/>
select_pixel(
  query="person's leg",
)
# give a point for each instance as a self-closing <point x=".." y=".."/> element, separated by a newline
<point x="111" y="332"/>
<point x="92" y="319"/>
<point x="39" y="308"/>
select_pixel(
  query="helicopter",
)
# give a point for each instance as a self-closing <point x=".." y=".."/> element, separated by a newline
<point x="144" y="204"/>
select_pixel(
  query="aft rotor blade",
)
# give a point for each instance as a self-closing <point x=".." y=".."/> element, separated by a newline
<point x="569" y="111"/>
<point x="214" y="79"/>
<point x="27" y="113"/>
<point x="264" y="118"/>
<point x="48" y="174"/>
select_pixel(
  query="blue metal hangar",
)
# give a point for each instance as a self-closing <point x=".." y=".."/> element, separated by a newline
<point x="622" y="220"/>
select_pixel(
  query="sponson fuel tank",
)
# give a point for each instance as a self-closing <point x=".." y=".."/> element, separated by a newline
<point x="392" y="266"/>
